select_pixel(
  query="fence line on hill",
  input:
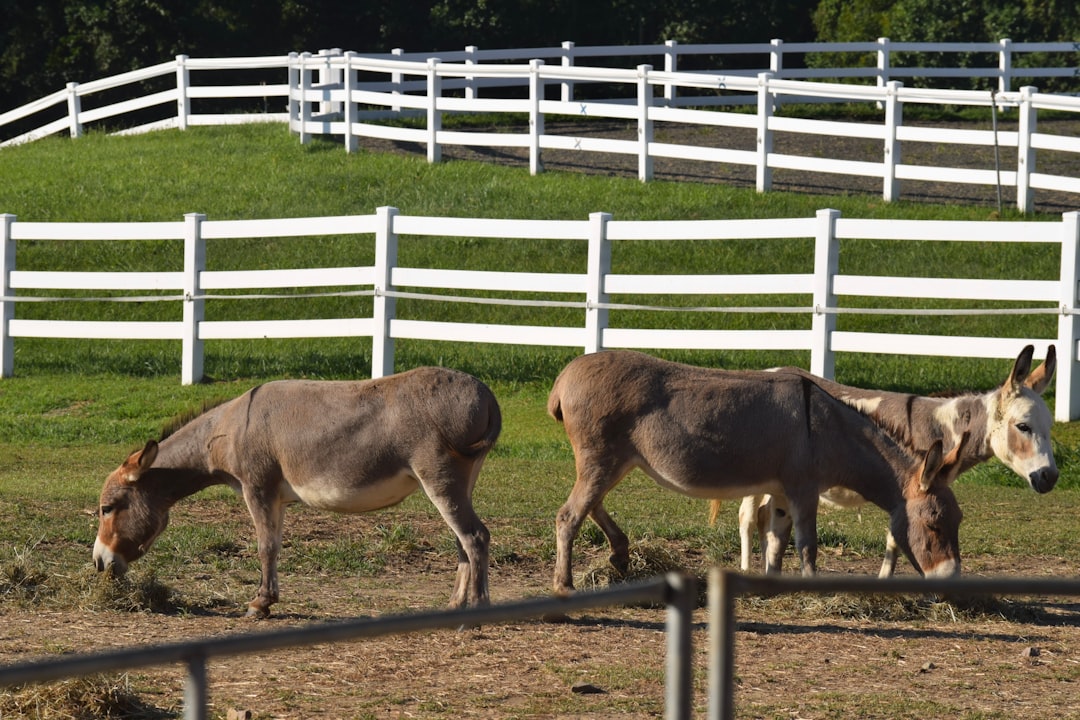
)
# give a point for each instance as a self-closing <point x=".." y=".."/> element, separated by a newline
<point x="596" y="290"/>
<point x="350" y="96"/>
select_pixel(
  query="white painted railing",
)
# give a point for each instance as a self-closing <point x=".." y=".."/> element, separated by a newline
<point x="595" y="286"/>
<point x="352" y="96"/>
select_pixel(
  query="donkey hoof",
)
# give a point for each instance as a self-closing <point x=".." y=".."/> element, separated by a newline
<point x="257" y="613"/>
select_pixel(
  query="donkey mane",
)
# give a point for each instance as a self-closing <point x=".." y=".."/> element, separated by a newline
<point x="183" y="418"/>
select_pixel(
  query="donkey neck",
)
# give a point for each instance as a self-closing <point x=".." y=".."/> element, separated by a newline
<point x="184" y="458"/>
<point x="917" y="421"/>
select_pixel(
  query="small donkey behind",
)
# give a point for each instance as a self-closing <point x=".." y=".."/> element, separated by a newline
<point x="1010" y="422"/>
<point x="720" y="434"/>
<point x="349" y="447"/>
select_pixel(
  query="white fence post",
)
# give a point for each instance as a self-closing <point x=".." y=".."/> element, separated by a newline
<point x="826" y="265"/>
<point x="599" y="265"/>
<point x="183" y="82"/>
<point x="434" y="118"/>
<point x="536" y="118"/>
<point x="395" y="78"/>
<point x="329" y="78"/>
<point x="776" y="57"/>
<point x="305" y="105"/>
<point x="194" y="305"/>
<point x="644" y="123"/>
<point x="352" y="141"/>
<point x="7" y="304"/>
<point x="567" y="61"/>
<point x="1005" y="65"/>
<point x="764" y="134"/>
<point x="883" y="62"/>
<point x="294" y="86"/>
<point x="470" y="80"/>
<point x="74" y="104"/>
<point x="671" y="64"/>
<point x="1025" y="151"/>
<point x="894" y="118"/>
<point x="386" y="251"/>
<point x="1067" y="390"/>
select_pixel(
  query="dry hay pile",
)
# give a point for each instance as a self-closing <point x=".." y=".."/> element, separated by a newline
<point x="79" y="699"/>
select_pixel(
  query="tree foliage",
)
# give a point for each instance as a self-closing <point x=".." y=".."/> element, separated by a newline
<point x="47" y="43"/>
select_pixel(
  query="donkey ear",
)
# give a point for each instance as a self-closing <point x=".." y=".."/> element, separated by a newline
<point x="1020" y="371"/>
<point x="1040" y="377"/>
<point x="931" y="465"/>
<point x="939" y="467"/>
<point x="139" y="461"/>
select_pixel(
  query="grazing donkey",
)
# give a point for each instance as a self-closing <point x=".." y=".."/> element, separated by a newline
<point x="721" y="434"/>
<point x="350" y="447"/>
<point x="1010" y="422"/>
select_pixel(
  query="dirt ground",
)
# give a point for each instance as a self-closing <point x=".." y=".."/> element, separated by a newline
<point x="833" y="658"/>
<point x="840" y="659"/>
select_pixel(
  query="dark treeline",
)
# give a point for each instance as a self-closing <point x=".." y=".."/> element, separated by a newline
<point x="47" y="43"/>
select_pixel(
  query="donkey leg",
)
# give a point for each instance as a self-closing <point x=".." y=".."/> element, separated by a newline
<point x="617" y="540"/>
<point x="748" y="521"/>
<point x="268" y="514"/>
<point x="588" y="492"/>
<point x="888" y="565"/>
<point x="451" y="493"/>
<point x="804" y="515"/>
<point x="778" y="535"/>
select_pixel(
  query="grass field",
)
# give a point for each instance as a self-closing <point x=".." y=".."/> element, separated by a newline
<point x="75" y="408"/>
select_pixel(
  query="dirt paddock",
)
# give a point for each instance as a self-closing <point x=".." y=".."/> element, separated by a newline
<point x="795" y="658"/>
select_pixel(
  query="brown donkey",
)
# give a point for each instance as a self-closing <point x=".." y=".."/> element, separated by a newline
<point x="1010" y="422"/>
<point x="720" y="434"/>
<point x="349" y="447"/>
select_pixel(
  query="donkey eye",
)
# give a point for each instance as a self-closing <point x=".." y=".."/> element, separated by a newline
<point x="1024" y="428"/>
<point x="106" y="510"/>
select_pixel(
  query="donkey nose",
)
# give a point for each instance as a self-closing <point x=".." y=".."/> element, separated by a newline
<point x="1043" y="481"/>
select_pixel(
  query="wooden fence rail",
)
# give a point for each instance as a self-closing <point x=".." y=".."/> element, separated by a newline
<point x="352" y="96"/>
<point x="818" y="293"/>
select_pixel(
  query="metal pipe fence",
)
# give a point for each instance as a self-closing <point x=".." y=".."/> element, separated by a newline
<point x="726" y="586"/>
<point x="677" y="591"/>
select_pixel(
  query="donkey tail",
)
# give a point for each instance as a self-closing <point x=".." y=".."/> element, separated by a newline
<point x="491" y="432"/>
<point x="714" y="512"/>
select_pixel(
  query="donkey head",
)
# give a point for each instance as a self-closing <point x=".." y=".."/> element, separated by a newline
<point x="928" y="525"/>
<point x="1018" y="427"/>
<point x="131" y="513"/>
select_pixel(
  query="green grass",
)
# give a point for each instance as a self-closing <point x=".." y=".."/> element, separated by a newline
<point x="77" y="407"/>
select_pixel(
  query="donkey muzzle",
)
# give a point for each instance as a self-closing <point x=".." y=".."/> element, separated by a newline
<point x="106" y="559"/>
<point x="1044" y="479"/>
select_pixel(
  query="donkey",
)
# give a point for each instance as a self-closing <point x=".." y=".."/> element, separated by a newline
<point x="723" y="434"/>
<point x="1010" y="422"/>
<point x="345" y="446"/>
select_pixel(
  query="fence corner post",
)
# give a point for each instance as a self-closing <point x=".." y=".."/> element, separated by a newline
<point x="826" y="265"/>
<point x="599" y="265"/>
<point x="194" y="305"/>
<point x="183" y="82"/>
<point x="536" y="116"/>
<point x="384" y="306"/>
<point x="721" y="645"/>
<point x="1067" y="389"/>
<point x="883" y="61"/>
<point x="645" y="123"/>
<point x="7" y="301"/>
<point x="679" y="686"/>
<point x="1004" y="65"/>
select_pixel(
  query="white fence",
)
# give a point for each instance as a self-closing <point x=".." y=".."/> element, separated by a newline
<point x="194" y="288"/>
<point x="352" y="96"/>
